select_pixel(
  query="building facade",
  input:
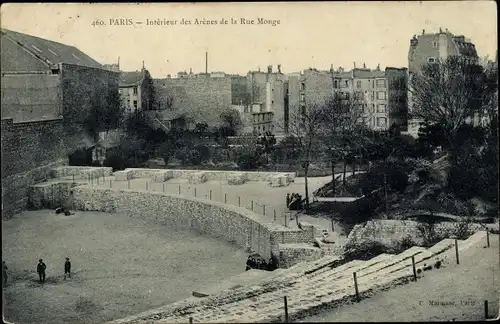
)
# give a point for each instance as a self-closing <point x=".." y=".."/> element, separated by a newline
<point x="48" y="89"/>
<point x="383" y="92"/>
<point x="429" y="48"/>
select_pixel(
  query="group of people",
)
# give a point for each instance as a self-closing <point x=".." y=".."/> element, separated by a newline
<point x="41" y="267"/>
<point x="41" y="270"/>
<point x="257" y="262"/>
<point x="294" y="201"/>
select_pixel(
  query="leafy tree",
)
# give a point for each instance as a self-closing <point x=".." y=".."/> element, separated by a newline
<point x="230" y="124"/>
<point x="267" y="141"/>
<point x="106" y="112"/>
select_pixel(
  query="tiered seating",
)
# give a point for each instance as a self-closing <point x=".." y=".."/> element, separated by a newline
<point x="307" y="290"/>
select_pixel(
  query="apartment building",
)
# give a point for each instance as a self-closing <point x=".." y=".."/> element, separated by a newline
<point x="384" y="92"/>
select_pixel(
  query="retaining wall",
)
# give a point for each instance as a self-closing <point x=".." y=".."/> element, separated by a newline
<point x="237" y="225"/>
<point x="390" y="232"/>
<point x="209" y="174"/>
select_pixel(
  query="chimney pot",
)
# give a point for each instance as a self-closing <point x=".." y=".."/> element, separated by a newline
<point x="354" y="64"/>
<point x="423" y="31"/>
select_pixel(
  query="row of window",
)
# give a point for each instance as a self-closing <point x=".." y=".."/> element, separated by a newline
<point x="134" y="90"/>
<point x="262" y="117"/>
<point x="381" y="108"/>
<point x="381" y="121"/>
<point x="260" y="130"/>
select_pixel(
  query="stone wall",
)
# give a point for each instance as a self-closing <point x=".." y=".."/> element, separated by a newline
<point x="201" y="98"/>
<point x="391" y="232"/>
<point x="237" y="225"/>
<point x="291" y="254"/>
<point x="29" y="152"/>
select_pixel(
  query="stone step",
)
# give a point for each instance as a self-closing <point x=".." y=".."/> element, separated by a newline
<point x="377" y="272"/>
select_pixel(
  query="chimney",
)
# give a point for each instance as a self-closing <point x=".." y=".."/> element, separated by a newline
<point x="190" y="70"/>
<point x="118" y="63"/>
<point x="364" y="65"/>
<point x="143" y="65"/>
<point x="279" y="68"/>
<point x="423" y="31"/>
<point x="414" y="41"/>
<point x="440" y="30"/>
<point x="269" y="69"/>
<point x="354" y="64"/>
<point x="378" y="67"/>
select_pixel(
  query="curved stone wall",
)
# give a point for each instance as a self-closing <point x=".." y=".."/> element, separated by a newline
<point x="234" y="224"/>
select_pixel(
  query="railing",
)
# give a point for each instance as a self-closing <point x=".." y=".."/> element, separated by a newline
<point x="212" y="192"/>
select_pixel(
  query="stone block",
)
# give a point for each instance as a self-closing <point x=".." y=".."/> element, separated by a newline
<point x="276" y="181"/>
<point x="236" y="178"/>
<point x="162" y="176"/>
<point x="124" y="175"/>
<point x="197" y="177"/>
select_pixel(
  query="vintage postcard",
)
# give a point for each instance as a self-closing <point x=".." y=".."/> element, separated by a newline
<point x="249" y="162"/>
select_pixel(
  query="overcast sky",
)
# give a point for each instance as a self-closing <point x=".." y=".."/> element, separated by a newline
<point x="308" y="34"/>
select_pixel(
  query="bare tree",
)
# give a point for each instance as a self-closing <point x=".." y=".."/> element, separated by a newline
<point x="448" y="92"/>
<point x="343" y="126"/>
<point x="305" y="128"/>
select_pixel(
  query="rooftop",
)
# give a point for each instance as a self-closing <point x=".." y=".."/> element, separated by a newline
<point x="130" y="78"/>
<point x="50" y="52"/>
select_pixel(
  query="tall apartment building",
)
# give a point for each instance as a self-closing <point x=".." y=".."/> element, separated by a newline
<point x="384" y="92"/>
<point x="268" y="90"/>
<point x="429" y="48"/>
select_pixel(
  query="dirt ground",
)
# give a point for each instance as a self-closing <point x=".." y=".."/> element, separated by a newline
<point x="121" y="266"/>
<point x="454" y="293"/>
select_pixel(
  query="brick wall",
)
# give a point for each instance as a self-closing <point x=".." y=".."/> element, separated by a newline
<point x="31" y="97"/>
<point x="29" y="151"/>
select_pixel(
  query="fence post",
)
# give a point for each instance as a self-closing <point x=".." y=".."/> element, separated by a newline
<point x="73" y="178"/>
<point x="286" y="216"/>
<point x="147" y="186"/>
<point x="252" y="205"/>
<point x="264" y="209"/>
<point x="485" y="309"/>
<point x="194" y="192"/>
<point x="179" y="189"/>
<point x="128" y="184"/>
<point x="163" y="187"/>
<point x="225" y="198"/>
<point x="414" y="269"/>
<point x="274" y="212"/>
<point x="456" y="251"/>
<point x="110" y="183"/>
<point x="333" y="228"/>
<point x="356" y="286"/>
<point x="239" y="201"/>
<point x="487" y="237"/>
<point x="210" y="193"/>
<point x="286" y="309"/>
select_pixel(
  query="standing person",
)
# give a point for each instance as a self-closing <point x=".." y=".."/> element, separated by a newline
<point x="41" y="267"/>
<point x="67" y="268"/>
<point x="4" y="273"/>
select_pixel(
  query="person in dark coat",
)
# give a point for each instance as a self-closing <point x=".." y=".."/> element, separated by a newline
<point x="4" y="273"/>
<point x="41" y="267"/>
<point x="67" y="268"/>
